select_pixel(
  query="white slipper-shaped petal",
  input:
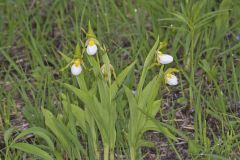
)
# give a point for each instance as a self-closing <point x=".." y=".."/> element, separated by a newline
<point x="91" y="47"/>
<point x="165" y="58"/>
<point x="92" y="50"/>
<point x="76" y="70"/>
<point x="171" y="79"/>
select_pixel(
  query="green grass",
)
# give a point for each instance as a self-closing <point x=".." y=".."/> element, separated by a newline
<point x="201" y="37"/>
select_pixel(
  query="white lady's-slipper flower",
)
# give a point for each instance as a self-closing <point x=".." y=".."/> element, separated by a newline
<point x="164" y="58"/>
<point x="76" y="68"/>
<point x="91" y="47"/>
<point x="171" y="79"/>
<point x="169" y="76"/>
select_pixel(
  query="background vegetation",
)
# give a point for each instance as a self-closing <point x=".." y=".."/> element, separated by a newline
<point x="202" y="38"/>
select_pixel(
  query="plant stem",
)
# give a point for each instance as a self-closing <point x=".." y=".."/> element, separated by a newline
<point x="192" y="66"/>
<point x="111" y="154"/>
<point x="97" y="154"/>
<point x="106" y="152"/>
<point x="7" y="151"/>
<point x="132" y="153"/>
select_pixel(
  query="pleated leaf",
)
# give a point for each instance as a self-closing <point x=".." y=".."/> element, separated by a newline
<point x="32" y="149"/>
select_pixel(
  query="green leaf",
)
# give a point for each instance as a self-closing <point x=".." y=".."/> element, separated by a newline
<point x="149" y="93"/>
<point x="32" y="149"/>
<point x="79" y="114"/>
<point x="154" y="108"/>
<point x="13" y="64"/>
<point x="222" y="20"/>
<point x="193" y="147"/>
<point x="147" y="63"/>
<point x="144" y="143"/>
<point x="120" y="78"/>
<point x="150" y="125"/>
<point x="58" y="155"/>
<point x="94" y="106"/>
<point x="81" y="82"/>
<point x="67" y="140"/>
<point x="7" y="135"/>
<point x="91" y="102"/>
<point x="66" y="58"/>
<point x="182" y="100"/>
<point x="39" y="132"/>
<point x="50" y="122"/>
<point x="132" y="103"/>
<point x="103" y="91"/>
<point x="169" y="127"/>
<point x="95" y="65"/>
<point x="134" y="114"/>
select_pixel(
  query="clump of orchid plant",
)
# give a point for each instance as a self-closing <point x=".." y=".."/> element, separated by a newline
<point x="100" y="96"/>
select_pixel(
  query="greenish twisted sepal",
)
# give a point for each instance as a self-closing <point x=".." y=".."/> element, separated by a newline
<point x="90" y="33"/>
<point x="78" y="54"/>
